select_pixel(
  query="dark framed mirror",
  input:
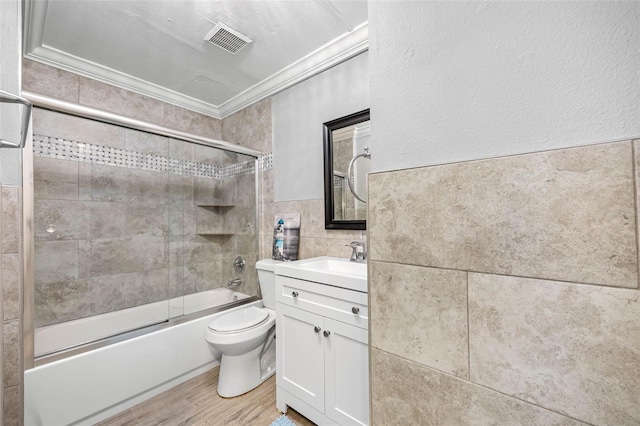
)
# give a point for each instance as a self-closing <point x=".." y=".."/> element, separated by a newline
<point x="346" y="142"/>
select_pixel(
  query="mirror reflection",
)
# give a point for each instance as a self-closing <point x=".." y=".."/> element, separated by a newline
<point x="346" y="140"/>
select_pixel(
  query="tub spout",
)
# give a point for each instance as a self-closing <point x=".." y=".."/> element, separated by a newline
<point x="234" y="283"/>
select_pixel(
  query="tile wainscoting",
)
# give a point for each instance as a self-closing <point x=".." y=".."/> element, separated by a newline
<point x="520" y="275"/>
<point x="11" y="304"/>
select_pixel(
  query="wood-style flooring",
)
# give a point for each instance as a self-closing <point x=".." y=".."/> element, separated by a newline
<point x="196" y="402"/>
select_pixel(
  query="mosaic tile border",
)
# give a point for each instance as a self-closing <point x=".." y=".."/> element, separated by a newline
<point x="63" y="149"/>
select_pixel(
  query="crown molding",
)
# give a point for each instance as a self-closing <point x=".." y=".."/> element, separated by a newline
<point x="331" y="54"/>
<point x="56" y="58"/>
<point x="327" y="56"/>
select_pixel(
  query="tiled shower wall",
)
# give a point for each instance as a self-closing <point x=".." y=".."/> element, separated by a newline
<point x="505" y="291"/>
<point x="251" y="127"/>
<point x="136" y="218"/>
<point x="163" y="243"/>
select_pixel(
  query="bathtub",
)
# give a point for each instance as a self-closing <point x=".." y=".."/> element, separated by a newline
<point x="65" y="335"/>
<point x="89" y="387"/>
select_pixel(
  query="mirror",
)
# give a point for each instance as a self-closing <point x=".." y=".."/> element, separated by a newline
<point x="345" y="139"/>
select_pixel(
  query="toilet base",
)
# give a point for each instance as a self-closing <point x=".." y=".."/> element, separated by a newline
<point x="241" y="373"/>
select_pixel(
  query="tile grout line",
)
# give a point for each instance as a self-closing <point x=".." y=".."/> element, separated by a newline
<point x="635" y="210"/>
<point x="486" y="388"/>
<point x="468" y="332"/>
<point x="507" y="275"/>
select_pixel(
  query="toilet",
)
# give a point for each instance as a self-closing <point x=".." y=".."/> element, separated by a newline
<point x="246" y="339"/>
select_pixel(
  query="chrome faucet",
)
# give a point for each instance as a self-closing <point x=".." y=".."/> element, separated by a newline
<point x="358" y="254"/>
<point x="234" y="283"/>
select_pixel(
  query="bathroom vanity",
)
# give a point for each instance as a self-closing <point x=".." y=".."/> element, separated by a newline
<point x="322" y="356"/>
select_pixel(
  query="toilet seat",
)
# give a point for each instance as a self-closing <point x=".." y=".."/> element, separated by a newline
<point x="240" y="320"/>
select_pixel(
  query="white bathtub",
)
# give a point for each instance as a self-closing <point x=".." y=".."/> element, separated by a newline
<point x="87" y="388"/>
<point x="56" y="337"/>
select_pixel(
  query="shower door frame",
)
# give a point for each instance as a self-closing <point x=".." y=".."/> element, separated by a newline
<point x="95" y="114"/>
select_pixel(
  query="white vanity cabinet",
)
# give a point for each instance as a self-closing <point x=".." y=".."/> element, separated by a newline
<point x="322" y="356"/>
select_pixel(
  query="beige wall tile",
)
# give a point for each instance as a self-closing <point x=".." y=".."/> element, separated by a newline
<point x="56" y="261"/>
<point x="147" y="219"/>
<point x="250" y="127"/>
<point x="188" y="121"/>
<point x="146" y="287"/>
<point x="11" y="354"/>
<point x="266" y="242"/>
<point x="64" y="126"/>
<point x="407" y="393"/>
<point x="565" y="215"/>
<point x="118" y="220"/>
<point x="120" y="101"/>
<point x="55" y="179"/>
<point x="246" y="189"/>
<point x="121" y="255"/>
<point x="126" y="185"/>
<point x="202" y="276"/>
<point x="214" y="191"/>
<point x="78" y="298"/>
<point x="571" y="348"/>
<point x="70" y="218"/>
<point x="420" y="314"/>
<point x="11" y="286"/>
<point x="84" y="181"/>
<point x="11" y="218"/>
<point x="334" y="247"/>
<point x="146" y="143"/>
<point x="313" y="222"/>
<point x="266" y="179"/>
<point x="50" y="81"/>
<point x="203" y="249"/>
<point x="12" y="406"/>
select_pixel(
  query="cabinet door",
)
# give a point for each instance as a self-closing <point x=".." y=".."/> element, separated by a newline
<point x="346" y="373"/>
<point x="300" y="354"/>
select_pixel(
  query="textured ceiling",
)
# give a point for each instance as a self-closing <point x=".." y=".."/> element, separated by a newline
<point x="161" y="41"/>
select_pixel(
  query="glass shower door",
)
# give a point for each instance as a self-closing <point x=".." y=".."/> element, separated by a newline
<point x="133" y="229"/>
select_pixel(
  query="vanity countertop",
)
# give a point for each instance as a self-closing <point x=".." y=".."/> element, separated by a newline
<point x="332" y="271"/>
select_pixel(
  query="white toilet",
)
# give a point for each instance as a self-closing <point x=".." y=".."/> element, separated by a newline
<point x="246" y="338"/>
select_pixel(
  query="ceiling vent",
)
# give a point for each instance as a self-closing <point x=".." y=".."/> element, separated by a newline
<point x="227" y="38"/>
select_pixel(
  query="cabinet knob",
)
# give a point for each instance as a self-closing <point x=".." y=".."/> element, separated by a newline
<point x="317" y="329"/>
<point x="355" y="309"/>
<point x="326" y="333"/>
<point x="294" y="293"/>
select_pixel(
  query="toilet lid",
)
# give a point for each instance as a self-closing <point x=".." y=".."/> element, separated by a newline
<point x="239" y="320"/>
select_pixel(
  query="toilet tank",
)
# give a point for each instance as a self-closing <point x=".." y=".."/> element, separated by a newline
<point x="267" y="281"/>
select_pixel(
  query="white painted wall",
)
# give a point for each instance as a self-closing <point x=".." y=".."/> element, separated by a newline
<point x="454" y="81"/>
<point x="297" y="117"/>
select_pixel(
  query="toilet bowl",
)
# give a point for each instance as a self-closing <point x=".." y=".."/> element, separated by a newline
<point x="246" y="339"/>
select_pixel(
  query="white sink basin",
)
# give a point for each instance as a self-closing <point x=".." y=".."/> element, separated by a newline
<point x="333" y="271"/>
